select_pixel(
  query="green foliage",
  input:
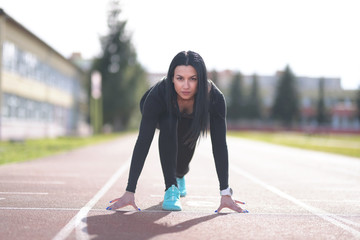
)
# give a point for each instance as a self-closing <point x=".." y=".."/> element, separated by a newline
<point x="348" y="145"/>
<point x="286" y="105"/>
<point x="123" y="78"/>
<point x="214" y="76"/>
<point x="236" y="98"/>
<point x="254" y="101"/>
<point x="11" y="152"/>
<point x="358" y="102"/>
<point x="321" y="111"/>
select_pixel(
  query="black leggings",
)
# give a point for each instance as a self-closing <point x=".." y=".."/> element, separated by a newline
<point x="185" y="153"/>
<point x="178" y="167"/>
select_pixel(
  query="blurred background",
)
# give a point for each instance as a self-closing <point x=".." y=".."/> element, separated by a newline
<point x="78" y="68"/>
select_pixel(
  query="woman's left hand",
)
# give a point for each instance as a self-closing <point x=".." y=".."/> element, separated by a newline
<point x="228" y="202"/>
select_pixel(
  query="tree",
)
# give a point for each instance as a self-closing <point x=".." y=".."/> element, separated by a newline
<point x="286" y="105"/>
<point x="358" y="103"/>
<point x="214" y="76"/>
<point x="321" y="111"/>
<point x="123" y="78"/>
<point x="254" y="101"/>
<point x="236" y="104"/>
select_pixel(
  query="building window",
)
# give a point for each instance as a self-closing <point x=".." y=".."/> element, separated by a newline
<point x="29" y="66"/>
<point x="15" y="107"/>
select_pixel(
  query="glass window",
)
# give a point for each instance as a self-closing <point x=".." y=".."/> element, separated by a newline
<point x="26" y="109"/>
<point x="28" y="65"/>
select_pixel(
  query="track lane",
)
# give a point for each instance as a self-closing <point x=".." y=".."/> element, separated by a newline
<point x="290" y="193"/>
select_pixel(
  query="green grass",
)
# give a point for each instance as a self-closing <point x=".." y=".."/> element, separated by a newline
<point x="348" y="145"/>
<point x="11" y="152"/>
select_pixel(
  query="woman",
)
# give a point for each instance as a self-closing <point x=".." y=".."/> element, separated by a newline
<point x="180" y="105"/>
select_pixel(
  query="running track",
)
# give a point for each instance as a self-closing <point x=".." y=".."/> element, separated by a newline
<point x="290" y="194"/>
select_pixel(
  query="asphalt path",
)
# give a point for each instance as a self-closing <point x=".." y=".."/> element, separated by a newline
<point x="289" y="193"/>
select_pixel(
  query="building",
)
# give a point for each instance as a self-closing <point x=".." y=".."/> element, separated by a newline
<point x="339" y="103"/>
<point x="42" y="93"/>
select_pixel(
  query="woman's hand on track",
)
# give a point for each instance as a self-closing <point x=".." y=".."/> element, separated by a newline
<point x="128" y="199"/>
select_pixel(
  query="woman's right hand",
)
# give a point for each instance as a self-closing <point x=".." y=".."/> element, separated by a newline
<point x="125" y="200"/>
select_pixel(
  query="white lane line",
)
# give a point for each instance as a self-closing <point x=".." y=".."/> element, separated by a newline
<point x="187" y="196"/>
<point x="44" y="175"/>
<point x="332" y="218"/>
<point x="34" y="182"/>
<point x="79" y="220"/>
<point x="48" y="209"/>
<point x="329" y="201"/>
<point x="340" y="189"/>
<point x="200" y="204"/>
<point x="94" y="210"/>
<point x="187" y="185"/>
<point x="2" y="198"/>
<point x="36" y="208"/>
<point x="24" y="193"/>
<point x="152" y="211"/>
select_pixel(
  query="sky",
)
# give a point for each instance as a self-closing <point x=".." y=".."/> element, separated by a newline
<point x="316" y="38"/>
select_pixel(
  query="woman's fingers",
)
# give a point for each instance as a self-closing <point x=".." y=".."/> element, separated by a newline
<point x="239" y="202"/>
<point x="231" y="204"/>
<point x="116" y="205"/>
<point x="219" y="209"/>
<point x="127" y="199"/>
<point x="115" y="200"/>
<point x="136" y="207"/>
<point x="238" y="209"/>
<point x="242" y="210"/>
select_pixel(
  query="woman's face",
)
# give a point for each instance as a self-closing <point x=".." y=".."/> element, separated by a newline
<point x="185" y="82"/>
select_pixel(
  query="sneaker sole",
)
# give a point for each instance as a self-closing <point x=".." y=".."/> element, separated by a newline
<point x="171" y="209"/>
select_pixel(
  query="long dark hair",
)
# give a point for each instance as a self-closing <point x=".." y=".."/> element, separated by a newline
<point x="201" y="103"/>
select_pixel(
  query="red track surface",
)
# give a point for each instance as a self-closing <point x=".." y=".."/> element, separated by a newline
<point x="290" y="194"/>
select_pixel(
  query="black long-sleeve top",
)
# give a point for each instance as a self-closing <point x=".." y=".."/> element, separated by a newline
<point x="154" y="108"/>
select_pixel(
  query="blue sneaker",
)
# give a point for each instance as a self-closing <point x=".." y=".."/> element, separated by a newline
<point x="181" y="186"/>
<point x="172" y="199"/>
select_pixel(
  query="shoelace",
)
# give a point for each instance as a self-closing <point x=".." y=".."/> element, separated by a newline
<point x="173" y="195"/>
